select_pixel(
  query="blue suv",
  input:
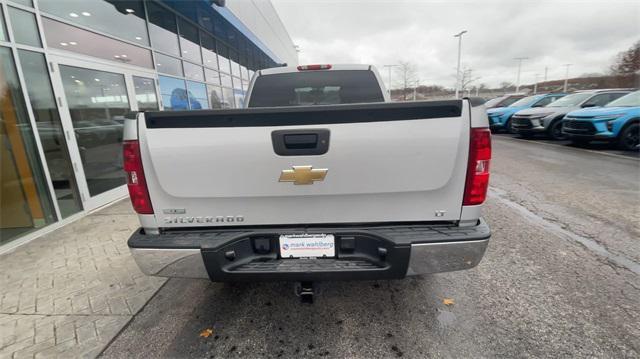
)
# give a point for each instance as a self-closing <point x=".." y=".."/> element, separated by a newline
<point x="618" y="121"/>
<point x="500" y="117"/>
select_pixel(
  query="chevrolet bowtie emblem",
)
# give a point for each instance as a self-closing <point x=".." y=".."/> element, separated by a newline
<point x="303" y="175"/>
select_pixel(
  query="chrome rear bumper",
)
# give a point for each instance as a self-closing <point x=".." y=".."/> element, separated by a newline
<point x="425" y="258"/>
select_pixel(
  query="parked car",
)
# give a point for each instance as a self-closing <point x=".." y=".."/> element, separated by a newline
<point x="618" y="121"/>
<point x="548" y="120"/>
<point x="500" y="117"/>
<point x="504" y="100"/>
<point x="320" y="178"/>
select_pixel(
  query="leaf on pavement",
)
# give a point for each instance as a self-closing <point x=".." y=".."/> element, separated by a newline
<point x="206" y="333"/>
<point x="448" y="301"/>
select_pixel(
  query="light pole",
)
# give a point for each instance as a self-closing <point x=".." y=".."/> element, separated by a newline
<point x="519" y="68"/>
<point x="535" y="85"/>
<point x="389" y="67"/>
<point x="566" y="77"/>
<point x="459" y="36"/>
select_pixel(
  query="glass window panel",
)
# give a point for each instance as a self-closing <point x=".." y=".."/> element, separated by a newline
<point x="209" y="50"/>
<point x="197" y="95"/>
<point x="24" y="2"/>
<point x="228" y="98"/>
<point x="97" y="102"/>
<point x="193" y="72"/>
<point x="168" y="65"/>
<point x="121" y="18"/>
<point x="239" y="98"/>
<point x="163" y="29"/>
<point x="3" y="29"/>
<point x="25" y="28"/>
<point x="225" y="80"/>
<point x="189" y="42"/>
<point x="212" y="76"/>
<point x="235" y="67"/>
<point x="174" y="93"/>
<point x="54" y="145"/>
<point x="145" y="90"/>
<point x="223" y="59"/>
<point x="237" y="83"/>
<point x="215" y="97"/>
<point x="243" y="73"/>
<point x="24" y="200"/>
<point x="71" y="38"/>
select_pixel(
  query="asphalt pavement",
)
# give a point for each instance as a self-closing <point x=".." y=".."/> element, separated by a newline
<point x="561" y="278"/>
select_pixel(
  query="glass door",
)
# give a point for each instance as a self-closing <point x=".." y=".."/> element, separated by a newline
<point x="95" y="100"/>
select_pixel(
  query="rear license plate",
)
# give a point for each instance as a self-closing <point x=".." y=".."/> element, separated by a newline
<point x="307" y="245"/>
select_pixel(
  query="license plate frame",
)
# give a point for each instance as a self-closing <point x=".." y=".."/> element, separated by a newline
<point x="307" y="245"/>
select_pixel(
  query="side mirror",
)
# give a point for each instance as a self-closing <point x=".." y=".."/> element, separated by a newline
<point x="588" y="105"/>
<point x="538" y="105"/>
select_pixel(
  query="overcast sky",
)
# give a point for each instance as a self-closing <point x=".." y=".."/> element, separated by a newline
<point x="587" y="34"/>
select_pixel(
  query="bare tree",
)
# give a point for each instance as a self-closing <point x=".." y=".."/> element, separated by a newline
<point x="408" y="76"/>
<point x="467" y="78"/>
<point x="628" y="61"/>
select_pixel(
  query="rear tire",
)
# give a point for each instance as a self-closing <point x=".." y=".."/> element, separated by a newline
<point x="555" y="131"/>
<point x="629" y="137"/>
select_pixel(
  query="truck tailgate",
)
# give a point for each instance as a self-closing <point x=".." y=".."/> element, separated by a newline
<point x="383" y="162"/>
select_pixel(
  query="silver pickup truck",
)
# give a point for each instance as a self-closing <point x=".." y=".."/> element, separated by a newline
<point x="320" y="178"/>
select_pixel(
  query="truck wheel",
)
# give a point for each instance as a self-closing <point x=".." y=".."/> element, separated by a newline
<point x="555" y="131"/>
<point x="630" y="137"/>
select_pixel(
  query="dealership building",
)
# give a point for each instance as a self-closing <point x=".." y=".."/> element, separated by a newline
<point x="70" y="70"/>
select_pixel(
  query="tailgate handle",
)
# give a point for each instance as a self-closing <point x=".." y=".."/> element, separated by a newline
<point x="300" y="142"/>
<point x="303" y="140"/>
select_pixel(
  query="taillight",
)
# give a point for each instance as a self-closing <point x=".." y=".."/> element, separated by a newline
<point x="313" y="67"/>
<point x="136" y="183"/>
<point x="475" y="191"/>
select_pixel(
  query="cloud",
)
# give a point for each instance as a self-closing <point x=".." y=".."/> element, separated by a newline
<point x="587" y="34"/>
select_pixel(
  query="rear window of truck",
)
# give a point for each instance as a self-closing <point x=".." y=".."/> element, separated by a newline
<point x="315" y="88"/>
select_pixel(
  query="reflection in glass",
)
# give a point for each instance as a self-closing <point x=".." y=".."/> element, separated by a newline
<point x="189" y="42"/>
<point x="228" y="98"/>
<point x="28" y="3"/>
<point x="145" y="90"/>
<point x="215" y="97"/>
<point x="173" y="93"/>
<point x="71" y="38"/>
<point x="239" y="97"/>
<point x="193" y="72"/>
<point x="3" y="30"/>
<point x="223" y="59"/>
<point x="235" y="67"/>
<point x="212" y="76"/>
<point x="197" y="95"/>
<point x="25" y="28"/>
<point x="163" y="29"/>
<point x="225" y="80"/>
<point x="54" y="145"/>
<point x="209" y="50"/>
<point x="24" y="200"/>
<point x="121" y="18"/>
<point x="168" y="65"/>
<point x="97" y="102"/>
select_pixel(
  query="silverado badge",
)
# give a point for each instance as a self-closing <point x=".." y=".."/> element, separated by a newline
<point x="303" y="175"/>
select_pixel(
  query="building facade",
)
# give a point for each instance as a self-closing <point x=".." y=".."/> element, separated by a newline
<point x="71" y="69"/>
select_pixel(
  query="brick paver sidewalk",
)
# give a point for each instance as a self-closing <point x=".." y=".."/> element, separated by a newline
<point x="69" y="293"/>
